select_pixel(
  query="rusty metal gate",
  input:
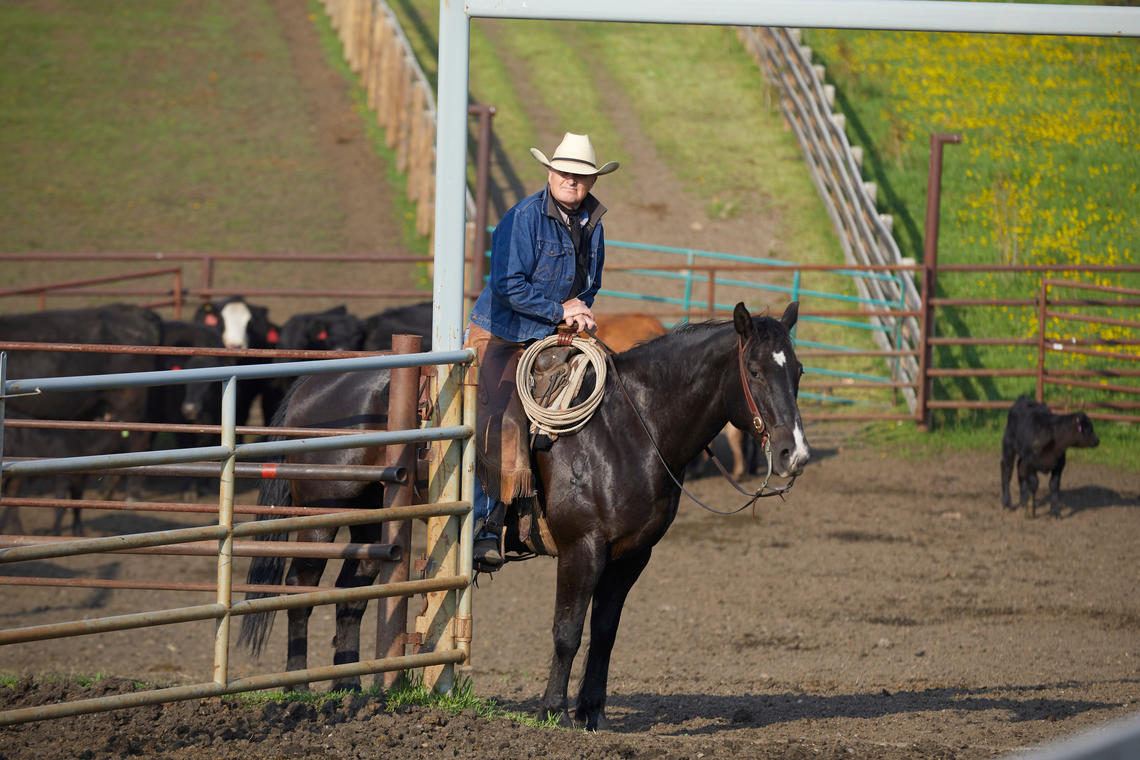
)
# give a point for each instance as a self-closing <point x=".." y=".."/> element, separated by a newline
<point x="444" y="626"/>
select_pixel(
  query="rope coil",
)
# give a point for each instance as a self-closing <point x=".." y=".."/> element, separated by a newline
<point x="559" y="419"/>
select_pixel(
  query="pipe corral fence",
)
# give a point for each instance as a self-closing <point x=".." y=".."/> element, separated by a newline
<point x="872" y="351"/>
<point x="443" y="634"/>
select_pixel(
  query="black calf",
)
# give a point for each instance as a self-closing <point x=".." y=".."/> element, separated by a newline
<point x="1037" y="438"/>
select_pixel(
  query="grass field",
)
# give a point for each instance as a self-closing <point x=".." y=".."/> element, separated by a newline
<point x="1048" y="171"/>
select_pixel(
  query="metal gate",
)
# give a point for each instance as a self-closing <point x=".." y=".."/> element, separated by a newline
<point x="446" y="628"/>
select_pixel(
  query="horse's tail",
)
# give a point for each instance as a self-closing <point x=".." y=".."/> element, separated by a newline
<point x="269" y="571"/>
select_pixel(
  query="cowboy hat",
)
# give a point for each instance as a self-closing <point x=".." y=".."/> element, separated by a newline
<point x="574" y="155"/>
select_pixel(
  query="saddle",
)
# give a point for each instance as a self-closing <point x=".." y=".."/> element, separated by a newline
<point x="504" y="443"/>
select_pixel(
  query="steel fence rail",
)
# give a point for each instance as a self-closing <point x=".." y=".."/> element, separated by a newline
<point x="234" y="686"/>
<point x="219" y="540"/>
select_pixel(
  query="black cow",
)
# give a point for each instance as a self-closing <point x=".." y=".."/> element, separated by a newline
<point x="198" y="403"/>
<point x="43" y="443"/>
<point x="414" y="319"/>
<point x="118" y="324"/>
<point x="245" y="325"/>
<point x="1037" y="439"/>
<point x="334" y="329"/>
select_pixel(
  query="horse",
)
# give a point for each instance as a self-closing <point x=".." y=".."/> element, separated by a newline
<point x="353" y="401"/>
<point x="612" y="489"/>
<point x="621" y="332"/>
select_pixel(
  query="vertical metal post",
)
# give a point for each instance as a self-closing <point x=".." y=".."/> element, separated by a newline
<point x="712" y="293"/>
<point x="482" y="180"/>
<point x="796" y="296"/>
<point x="897" y="374"/>
<point x="207" y="277"/>
<point x="178" y="294"/>
<point x="226" y="520"/>
<point x="463" y="619"/>
<point x="392" y="612"/>
<point x="3" y="410"/>
<point x="1042" y="304"/>
<point x="450" y="176"/>
<point x="689" y="286"/>
<point x="930" y="267"/>
<point x="435" y="624"/>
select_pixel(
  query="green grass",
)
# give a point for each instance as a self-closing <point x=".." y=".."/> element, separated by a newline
<point x="115" y="139"/>
<point x="407" y="693"/>
<point x="1048" y="173"/>
<point x="983" y="432"/>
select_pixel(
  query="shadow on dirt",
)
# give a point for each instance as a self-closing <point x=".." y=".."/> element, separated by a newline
<point x="687" y="714"/>
<point x="98" y="597"/>
<point x="1085" y="498"/>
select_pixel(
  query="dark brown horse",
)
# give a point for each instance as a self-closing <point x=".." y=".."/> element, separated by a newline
<point x="353" y="401"/>
<point x="612" y="489"/>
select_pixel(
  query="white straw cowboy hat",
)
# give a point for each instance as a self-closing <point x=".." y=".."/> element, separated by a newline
<point x="574" y="155"/>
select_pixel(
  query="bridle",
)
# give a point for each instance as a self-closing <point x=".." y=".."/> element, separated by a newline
<point x="764" y="490"/>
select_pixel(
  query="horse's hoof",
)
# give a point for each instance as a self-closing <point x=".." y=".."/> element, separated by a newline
<point x="591" y="721"/>
<point x="351" y="684"/>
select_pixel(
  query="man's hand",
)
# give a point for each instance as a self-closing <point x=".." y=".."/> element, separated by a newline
<point x="578" y="315"/>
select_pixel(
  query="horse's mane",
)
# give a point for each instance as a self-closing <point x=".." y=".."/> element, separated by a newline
<point x="694" y="334"/>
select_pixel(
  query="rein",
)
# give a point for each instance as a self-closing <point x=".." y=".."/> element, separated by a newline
<point x="757" y="422"/>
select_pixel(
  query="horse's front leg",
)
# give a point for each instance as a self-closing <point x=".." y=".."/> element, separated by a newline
<point x="353" y="574"/>
<point x="578" y="570"/>
<point x="609" y="599"/>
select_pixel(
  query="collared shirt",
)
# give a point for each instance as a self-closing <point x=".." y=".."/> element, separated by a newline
<point x="532" y="268"/>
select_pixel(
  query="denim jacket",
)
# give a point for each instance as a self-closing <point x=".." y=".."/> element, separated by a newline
<point x="532" y="269"/>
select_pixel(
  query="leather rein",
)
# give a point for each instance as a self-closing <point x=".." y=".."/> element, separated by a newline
<point x="764" y="490"/>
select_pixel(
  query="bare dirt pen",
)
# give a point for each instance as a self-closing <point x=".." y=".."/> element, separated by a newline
<point x="887" y="609"/>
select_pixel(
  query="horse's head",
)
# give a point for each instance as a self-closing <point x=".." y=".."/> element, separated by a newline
<point x="769" y="381"/>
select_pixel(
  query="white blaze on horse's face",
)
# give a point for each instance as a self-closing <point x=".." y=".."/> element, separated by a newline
<point x="801" y="454"/>
<point x="235" y="320"/>
<point x="781" y="360"/>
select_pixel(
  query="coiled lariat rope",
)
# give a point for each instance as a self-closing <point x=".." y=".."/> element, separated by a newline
<point x="560" y="418"/>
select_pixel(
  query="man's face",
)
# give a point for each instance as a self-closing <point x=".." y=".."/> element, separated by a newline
<point x="570" y="189"/>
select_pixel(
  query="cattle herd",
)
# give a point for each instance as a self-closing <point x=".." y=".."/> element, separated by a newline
<point x="231" y="323"/>
<point x="1035" y="439"/>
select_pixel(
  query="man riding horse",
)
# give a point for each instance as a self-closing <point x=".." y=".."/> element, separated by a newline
<point x="547" y="255"/>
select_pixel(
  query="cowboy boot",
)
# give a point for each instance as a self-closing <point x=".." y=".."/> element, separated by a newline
<point x="488" y="554"/>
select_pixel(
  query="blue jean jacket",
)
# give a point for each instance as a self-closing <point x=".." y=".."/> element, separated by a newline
<point x="532" y="269"/>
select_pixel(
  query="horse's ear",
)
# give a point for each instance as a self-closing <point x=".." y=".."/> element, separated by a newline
<point x="742" y="320"/>
<point x="791" y="314"/>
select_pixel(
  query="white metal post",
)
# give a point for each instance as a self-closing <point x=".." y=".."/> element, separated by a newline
<point x="226" y="543"/>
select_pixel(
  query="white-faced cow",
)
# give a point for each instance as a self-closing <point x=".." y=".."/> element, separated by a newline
<point x="245" y="325"/>
<point x="1037" y="438"/>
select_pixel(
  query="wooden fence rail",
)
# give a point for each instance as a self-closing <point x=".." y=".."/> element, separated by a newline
<point x="399" y="94"/>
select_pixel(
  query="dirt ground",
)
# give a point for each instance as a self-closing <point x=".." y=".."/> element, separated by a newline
<point x="887" y="609"/>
